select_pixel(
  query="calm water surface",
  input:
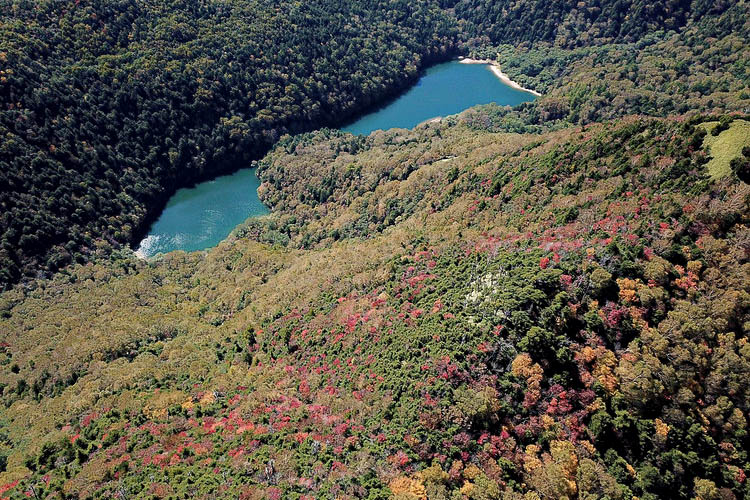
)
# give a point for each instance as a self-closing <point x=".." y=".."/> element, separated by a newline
<point x="445" y="89"/>
<point x="200" y="217"/>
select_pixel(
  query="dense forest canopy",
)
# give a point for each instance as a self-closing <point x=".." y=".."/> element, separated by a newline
<point x="575" y="23"/>
<point x="107" y="107"/>
<point x="543" y="302"/>
<point x="478" y="315"/>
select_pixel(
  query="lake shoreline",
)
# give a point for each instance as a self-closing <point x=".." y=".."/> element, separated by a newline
<point x="495" y="67"/>
<point x="200" y="216"/>
<point x="446" y="89"/>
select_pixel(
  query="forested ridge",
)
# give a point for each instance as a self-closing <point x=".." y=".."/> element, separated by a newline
<point x="478" y="315"/>
<point x="572" y="23"/>
<point x="703" y="67"/>
<point x="108" y="107"/>
<point x="543" y="302"/>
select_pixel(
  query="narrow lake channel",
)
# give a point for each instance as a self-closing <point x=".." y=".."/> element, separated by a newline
<point x="200" y="217"/>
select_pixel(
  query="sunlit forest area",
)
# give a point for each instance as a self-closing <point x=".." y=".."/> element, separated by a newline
<point x="543" y="302"/>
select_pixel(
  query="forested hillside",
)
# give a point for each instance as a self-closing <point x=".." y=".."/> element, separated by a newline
<point x="703" y="67"/>
<point x="484" y="315"/>
<point x="573" y="23"/>
<point x="106" y="107"/>
<point x="543" y="302"/>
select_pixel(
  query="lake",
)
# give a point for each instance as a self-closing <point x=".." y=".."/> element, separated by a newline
<point x="445" y="89"/>
<point x="200" y="217"/>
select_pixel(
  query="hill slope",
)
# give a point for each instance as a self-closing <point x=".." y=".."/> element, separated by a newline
<point x="107" y="108"/>
<point x="478" y="314"/>
<point x="544" y="302"/>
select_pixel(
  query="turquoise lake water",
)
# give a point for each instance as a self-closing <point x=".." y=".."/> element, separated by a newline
<point x="200" y="217"/>
<point x="445" y="89"/>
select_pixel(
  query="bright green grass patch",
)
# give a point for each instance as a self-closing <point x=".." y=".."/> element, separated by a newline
<point x="726" y="146"/>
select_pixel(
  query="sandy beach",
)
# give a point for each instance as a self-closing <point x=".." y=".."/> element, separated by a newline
<point x="495" y="67"/>
<point x="436" y="119"/>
